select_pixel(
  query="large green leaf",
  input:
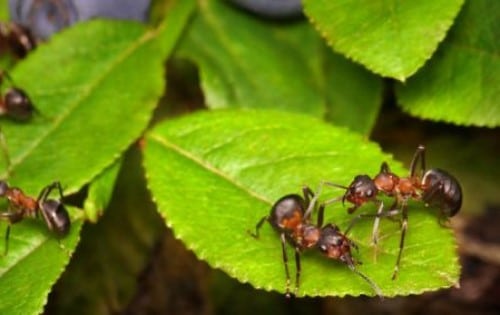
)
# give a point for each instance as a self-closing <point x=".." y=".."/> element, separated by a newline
<point x="215" y="174"/>
<point x="95" y="87"/>
<point x="391" y="38"/>
<point x="247" y="62"/>
<point x="461" y="84"/>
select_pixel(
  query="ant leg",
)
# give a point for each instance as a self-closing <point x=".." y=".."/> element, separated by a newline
<point x="370" y="281"/>
<point x="311" y="203"/>
<point x="387" y="214"/>
<point x="321" y="214"/>
<point x="419" y="153"/>
<point x="7" y="234"/>
<point x="285" y="261"/>
<point x="44" y="194"/>
<point x="257" y="227"/>
<point x="404" y="227"/>
<point x="376" y="222"/>
<point x="297" y="270"/>
<point x="384" y="168"/>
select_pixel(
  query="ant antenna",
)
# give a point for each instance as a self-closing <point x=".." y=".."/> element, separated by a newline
<point x="370" y="281"/>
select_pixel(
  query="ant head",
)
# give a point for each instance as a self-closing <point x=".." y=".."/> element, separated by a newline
<point x="56" y="216"/>
<point x="334" y="244"/>
<point x="287" y="212"/>
<point x="361" y="190"/>
<point x="18" y="104"/>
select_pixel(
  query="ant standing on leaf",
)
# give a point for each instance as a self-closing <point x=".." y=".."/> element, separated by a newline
<point x="15" y="103"/>
<point x="290" y="217"/>
<point x="435" y="187"/>
<point x="21" y="206"/>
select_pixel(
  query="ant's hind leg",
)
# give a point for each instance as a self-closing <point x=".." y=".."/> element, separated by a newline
<point x="419" y="154"/>
<point x="285" y="261"/>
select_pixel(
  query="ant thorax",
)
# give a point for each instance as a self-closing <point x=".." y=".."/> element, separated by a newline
<point x="307" y="235"/>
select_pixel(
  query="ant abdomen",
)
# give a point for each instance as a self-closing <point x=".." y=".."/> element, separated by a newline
<point x="18" y="104"/>
<point x="57" y="216"/>
<point x="442" y="190"/>
<point x="287" y="212"/>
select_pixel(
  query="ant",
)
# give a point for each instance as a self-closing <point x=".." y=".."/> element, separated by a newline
<point x="21" y="206"/>
<point x="15" y="103"/>
<point x="16" y="38"/>
<point x="435" y="187"/>
<point x="290" y="216"/>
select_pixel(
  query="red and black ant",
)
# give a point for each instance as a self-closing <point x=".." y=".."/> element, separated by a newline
<point x="290" y="216"/>
<point x="16" y="38"/>
<point x="22" y="206"/>
<point x="435" y="187"/>
<point x="15" y="103"/>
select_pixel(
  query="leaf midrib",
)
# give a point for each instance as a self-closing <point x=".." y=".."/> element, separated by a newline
<point x="86" y="92"/>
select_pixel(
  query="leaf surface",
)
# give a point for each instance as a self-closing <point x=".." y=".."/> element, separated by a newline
<point x="461" y="84"/>
<point x="214" y="174"/>
<point x="247" y="62"/>
<point x="95" y="87"/>
<point x="391" y="38"/>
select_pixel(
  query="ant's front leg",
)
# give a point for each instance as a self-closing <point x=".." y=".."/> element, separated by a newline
<point x="258" y="226"/>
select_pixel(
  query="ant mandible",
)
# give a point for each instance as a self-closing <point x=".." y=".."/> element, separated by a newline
<point x="290" y="217"/>
<point x="16" y="38"/>
<point x="435" y="187"/>
<point x="21" y="206"/>
<point x="15" y="103"/>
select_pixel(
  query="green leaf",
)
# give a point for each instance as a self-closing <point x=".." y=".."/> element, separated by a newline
<point x="95" y="86"/>
<point x="34" y="262"/>
<point x="100" y="192"/>
<point x="96" y="101"/>
<point x="461" y="84"/>
<point x="214" y="174"/>
<point x="353" y="95"/>
<point x="242" y="64"/>
<point x="4" y="10"/>
<point x="391" y="38"/>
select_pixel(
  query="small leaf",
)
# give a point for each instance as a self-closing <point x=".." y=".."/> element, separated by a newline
<point x="215" y="174"/>
<point x="393" y="39"/>
<point x="34" y="262"/>
<point x="100" y="191"/>
<point x="461" y="84"/>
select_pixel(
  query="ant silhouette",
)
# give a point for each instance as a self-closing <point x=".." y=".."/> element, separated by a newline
<point x="15" y="103"/>
<point x="290" y="217"/>
<point x="21" y="206"/>
<point x="16" y="38"/>
<point x="435" y="187"/>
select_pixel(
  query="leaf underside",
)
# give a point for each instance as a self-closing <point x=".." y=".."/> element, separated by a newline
<point x="214" y="174"/>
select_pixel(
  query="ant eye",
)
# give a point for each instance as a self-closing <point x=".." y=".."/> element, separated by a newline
<point x="369" y="193"/>
<point x="323" y="248"/>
